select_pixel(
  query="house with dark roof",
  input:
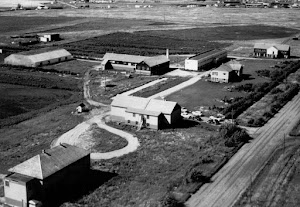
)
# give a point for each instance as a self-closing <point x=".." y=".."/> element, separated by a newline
<point x="205" y="59"/>
<point x="271" y="50"/>
<point x="150" y="113"/>
<point x="46" y="176"/>
<point x="155" y="65"/>
<point x="228" y="72"/>
<point x="40" y="57"/>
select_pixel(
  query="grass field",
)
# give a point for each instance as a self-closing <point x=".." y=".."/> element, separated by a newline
<point x="73" y="67"/>
<point x="161" y="164"/>
<point x="22" y="99"/>
<point x="12" y="25"/>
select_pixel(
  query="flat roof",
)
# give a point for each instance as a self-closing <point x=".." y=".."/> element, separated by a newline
<point x="205" y="54"/>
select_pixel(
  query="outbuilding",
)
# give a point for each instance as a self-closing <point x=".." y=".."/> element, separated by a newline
<point x="46" y="176"/>
<point x="49" y="37"/>
<point x="35" y="58"/>
<point x="156" y="65"/>
<point x="151" y="113"/>
<point x="206" y="59"/>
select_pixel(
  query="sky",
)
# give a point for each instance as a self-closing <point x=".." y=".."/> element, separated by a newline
<point x="13" y="3"/>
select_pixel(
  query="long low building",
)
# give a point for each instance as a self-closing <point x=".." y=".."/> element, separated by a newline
<point x="271" y="50"/>
<point x="40" y="57"/>
<point x="46" y="176"/>
<point x="156" y="65"/>
<point x="206" y="59"/>
<point x="150" y="113"/>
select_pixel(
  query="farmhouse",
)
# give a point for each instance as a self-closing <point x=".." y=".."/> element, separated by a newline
<point x="151" y="113"/>
<point x="35" y="58"/>
<point x="49" y="37"/>
<point x="205" y="60"/>
<point x="271" y="50"/>
<point x="156" y="65"/>
<point x="46" y="176"/>
<point x="227" y="72"/>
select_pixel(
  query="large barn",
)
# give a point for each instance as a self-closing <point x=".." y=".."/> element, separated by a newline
<point x="40" y="57"/>
<point x="47" y="175"/>
<point x="271" y="50"/>
<point x="206" y="59"/>
<point x="156" y="65"/>
<point x="151" y="113"/>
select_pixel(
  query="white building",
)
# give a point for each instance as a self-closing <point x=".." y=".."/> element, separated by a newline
<point x="206" y="59"/>
<point x="151" y="113"/>
<point x="35" y="58"/>
<point x="227" y="72"/>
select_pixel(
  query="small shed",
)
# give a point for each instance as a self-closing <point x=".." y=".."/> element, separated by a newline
<point x="49" y="37"/>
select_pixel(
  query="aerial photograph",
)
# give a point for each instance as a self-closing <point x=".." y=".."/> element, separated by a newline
<point x="149" y="103"/>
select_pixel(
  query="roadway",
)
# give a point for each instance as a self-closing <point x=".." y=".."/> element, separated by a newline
<point x="233" y="179"/>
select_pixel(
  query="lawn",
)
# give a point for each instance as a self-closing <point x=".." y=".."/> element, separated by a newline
<point x="204" y="93"/>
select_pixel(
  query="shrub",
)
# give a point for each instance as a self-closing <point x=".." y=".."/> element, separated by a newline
<point x="169" y="200"/>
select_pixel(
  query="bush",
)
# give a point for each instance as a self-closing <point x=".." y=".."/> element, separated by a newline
<point x="169" y="200"/>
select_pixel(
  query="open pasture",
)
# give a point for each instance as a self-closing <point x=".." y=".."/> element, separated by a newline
<point x="21" y="99"/>
<point x="13" y="24"/>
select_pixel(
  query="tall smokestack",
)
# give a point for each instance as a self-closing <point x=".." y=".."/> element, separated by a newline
<point x="167" y="53"/>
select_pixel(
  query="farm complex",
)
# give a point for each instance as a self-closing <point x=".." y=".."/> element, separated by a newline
<point x="110" y="103"/>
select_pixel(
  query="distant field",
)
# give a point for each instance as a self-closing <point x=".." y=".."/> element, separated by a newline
<point x="21" y="99"/>
<point x="10" y="24"/>
<point x="244" y="32"/>
<point x="138" y="44"/>
<point x="205" y="93"/>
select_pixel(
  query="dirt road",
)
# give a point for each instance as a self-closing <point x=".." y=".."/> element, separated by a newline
<point x="231" y="181"/>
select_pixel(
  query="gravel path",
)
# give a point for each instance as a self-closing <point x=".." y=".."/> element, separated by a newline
<point x="230" y="182"/>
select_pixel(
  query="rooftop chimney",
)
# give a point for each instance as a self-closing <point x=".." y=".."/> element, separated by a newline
<point x="167" y="53"/>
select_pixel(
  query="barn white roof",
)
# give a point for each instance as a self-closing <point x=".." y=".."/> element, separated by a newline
<point x="266" y="46"/>
<point x="44" y="54"/>
<point x="148" y="106"/>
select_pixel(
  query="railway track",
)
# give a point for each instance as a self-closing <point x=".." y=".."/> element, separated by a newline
<point x="231" y="181"/>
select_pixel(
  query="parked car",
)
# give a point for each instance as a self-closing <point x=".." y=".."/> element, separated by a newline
<point x="187" y="115"/>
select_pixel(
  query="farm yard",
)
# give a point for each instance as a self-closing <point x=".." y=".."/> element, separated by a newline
<point x="170" y="164"/>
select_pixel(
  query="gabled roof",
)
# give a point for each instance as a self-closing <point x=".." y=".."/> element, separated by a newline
<point x="130" y="101"/>
<point x="166" y="107"/>
<point x="49" y="162"/>
<point x="157" y="60"/>
<point x="223" y="67"/>
<point x="124" y="57"/>
<point x="139" y="104"/>
<point x="235" y="65"/>
<point x="151" y="61"/>
<point x="143" y="111"/>
<point x="44" y="54"/>
<point x="266" y="46"/>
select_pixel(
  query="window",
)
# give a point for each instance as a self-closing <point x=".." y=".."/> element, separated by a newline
<point x="128" y="121"/>
<point x="7" y="183"/>
<point x="136" y="122"/>
<point x="148" y="116"/>
<point x="133" y="114"/>
<point x="224" y="73"/>
<point x="214" y="73"/>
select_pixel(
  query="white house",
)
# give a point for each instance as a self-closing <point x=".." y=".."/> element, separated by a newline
<point x="205" y="59"/>
<point x="49" y="37"/>
<point x="271" y="50"/>
<point x="151" y="113"/>
<point x="227" y="72"/>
